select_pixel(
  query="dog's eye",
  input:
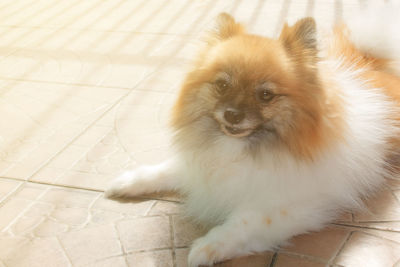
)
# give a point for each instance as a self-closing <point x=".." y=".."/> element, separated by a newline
<point x="221" y="86"/>
<point x="264" y="95"/>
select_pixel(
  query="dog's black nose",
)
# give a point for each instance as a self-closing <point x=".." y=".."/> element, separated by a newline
<point x="233" y="116"/>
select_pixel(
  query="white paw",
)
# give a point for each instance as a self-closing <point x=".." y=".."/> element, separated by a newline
<point x="206" y="253"/>
<point x="129" y="184"/>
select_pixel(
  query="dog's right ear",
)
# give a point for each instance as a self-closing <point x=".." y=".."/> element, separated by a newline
<point x="226" y="27"/>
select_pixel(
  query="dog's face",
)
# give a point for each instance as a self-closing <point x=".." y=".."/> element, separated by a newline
<point x="253" y="88"/>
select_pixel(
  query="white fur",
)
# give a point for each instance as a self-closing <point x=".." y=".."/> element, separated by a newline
<point x="257" y="204"/>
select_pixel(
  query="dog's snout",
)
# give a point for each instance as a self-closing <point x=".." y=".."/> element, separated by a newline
<point x="234" y="116"/>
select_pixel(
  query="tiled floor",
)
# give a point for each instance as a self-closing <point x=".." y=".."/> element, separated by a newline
<point x="85" y="91"/>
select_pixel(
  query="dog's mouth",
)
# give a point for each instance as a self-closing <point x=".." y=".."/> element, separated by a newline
<point x="235" y="131"/>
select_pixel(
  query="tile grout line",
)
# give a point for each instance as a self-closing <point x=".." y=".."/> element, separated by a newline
<point x="146" y="213"/>
<point x="368" y="227"/>
<point x="12" y="193"/>
<point x="22" y="213"/>
<point x="123" y="250"/>
<point x="65" y="252"/>
<point x="83" y="189"/>
<point x="172" y="233"/>
<point x="334" y="257"/>
<point x="5" y="198"/>
<point x="273" y="260"/>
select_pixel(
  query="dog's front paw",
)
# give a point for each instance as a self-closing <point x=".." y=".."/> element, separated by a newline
<point x="206" y="253"/>
<point x="129" y="184"/>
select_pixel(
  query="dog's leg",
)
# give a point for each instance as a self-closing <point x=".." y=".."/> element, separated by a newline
<point x="143" y="180"/>
<point x="250" y="232"/>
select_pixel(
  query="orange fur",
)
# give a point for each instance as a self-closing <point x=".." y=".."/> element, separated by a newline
<point x="267" y="221"/>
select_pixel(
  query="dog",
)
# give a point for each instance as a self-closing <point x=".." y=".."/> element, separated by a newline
<point x="275" y="137"/>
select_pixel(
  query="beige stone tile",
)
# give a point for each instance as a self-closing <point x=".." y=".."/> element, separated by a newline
<point x="145" y="233"/>
<point x="366" y="250"/>
<point x="9" y="245"/>
<point x="118" y="261"/>
<point x="25" y="225"/>
<point x="323" y="245"/>
<point x="101" y="151"/>
<point x="7" y="187"/>
<point x="48" y="175"/>
<point x="40" y="210"/>
<point x="390" y="235"/>
<point x="49" y="228"/>
<point x="382" y="207"/>
<point x="387" y="226"/>
<point x="185" y="231"/>
<point x="181" y="257"/>
<point x="165" y="208"/>
<point x="46" y="119"/>
<point x="283" y="260"/>
<point x="10" y="210"/>
<point x="86" y="163"/>
<point x="132" y="208"/>
<point x="68" y="157"/>
<point x="65" y="197"/>
<point x="101" y="217"/>
<point x="158" y="258"/>
<point x="22" y="171"/>
<point x="87" y="245"/>
<point x="90" y="58"/>
<point x="92" y="136"/>
<point x="30" y="191"/>
<point x="84" y="180"/>
<point x="153" y="155"/>
<point x="70" y="216"/>
<point x="35" y="253"/>
<point x="259" y="260"/>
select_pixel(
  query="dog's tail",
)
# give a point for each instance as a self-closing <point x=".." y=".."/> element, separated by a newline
<point x="376" y="31"/>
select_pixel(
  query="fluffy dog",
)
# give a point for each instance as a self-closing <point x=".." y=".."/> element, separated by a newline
<point x="274" y="137"/>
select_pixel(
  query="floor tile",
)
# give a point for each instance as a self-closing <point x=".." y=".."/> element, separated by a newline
<point x="158" y="258"/>
<point x="383" y="207"/>
<point x="35" y="253"/>
<point x="145" y="233"/>
<point x="367" y="250"/>
<point x="44" y="122"/>
<point x="259" y="260"/>
<point x="87" y="245"/>
<point x="185" y="231"/>
<point x="322" y="245"/>
<point x="118" y="261"/>
<point x="7" y="187"/>
<point x="293" y="261"/>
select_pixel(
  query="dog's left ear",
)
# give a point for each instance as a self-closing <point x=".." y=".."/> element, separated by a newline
<point x="227" y="26"/>
<point x="301" y="38"/>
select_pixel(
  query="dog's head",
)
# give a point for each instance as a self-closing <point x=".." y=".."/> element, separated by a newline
<point x="252" y="88"/>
